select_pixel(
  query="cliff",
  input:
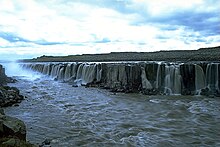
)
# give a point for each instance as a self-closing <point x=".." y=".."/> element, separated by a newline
<point x="202" y="54"/>
<point x="12" y="130"/>
<point x="8" y="95"/>
<point x="3" y="77"/>
<point x="147" y="77"/>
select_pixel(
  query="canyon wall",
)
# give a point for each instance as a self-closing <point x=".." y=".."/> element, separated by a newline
<point x="147" y="77"/>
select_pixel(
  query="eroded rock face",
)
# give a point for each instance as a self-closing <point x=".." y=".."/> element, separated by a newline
<point x="9" y="96"/>
<point x="3" y="77"/>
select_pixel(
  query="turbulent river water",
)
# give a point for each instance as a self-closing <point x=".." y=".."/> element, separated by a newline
<point x="78" y="116"/>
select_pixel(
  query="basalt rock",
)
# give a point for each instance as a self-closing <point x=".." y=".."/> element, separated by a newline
<point x="9" y="96"/>
<point x="3" y="77"/>
<point x="12" y="132"/>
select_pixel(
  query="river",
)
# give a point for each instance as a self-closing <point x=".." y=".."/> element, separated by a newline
<point x="78" y="116"/>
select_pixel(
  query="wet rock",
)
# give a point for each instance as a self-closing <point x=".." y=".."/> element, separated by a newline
<point x="10" y="126"/>
<point x="186" y="92"/>
<point x="45" y="143"/>
<point x="3" y="77"/>
<point x="12" y="132"/>
<point x="9" y="96"/>
<point x="205" y="91"/>
<point x="1" y="112"/>
<point x="152" y="91"/>
<point x="14" y="142"/>
<point x="75" y="85"/>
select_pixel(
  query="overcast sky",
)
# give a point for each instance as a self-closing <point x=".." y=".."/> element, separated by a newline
<point x="30" y="28"/>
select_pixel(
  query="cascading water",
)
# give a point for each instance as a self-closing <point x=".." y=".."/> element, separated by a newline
<point x="172" y="80"/>
<point x="212" y="77"/>
<point x="99" y="73"/>
<point x="167" y="78"/>
<point x="145" y="82"/>
<point x="88" y="73"/>
<point x="199" y="79"/>
<point x="67" y="74"/>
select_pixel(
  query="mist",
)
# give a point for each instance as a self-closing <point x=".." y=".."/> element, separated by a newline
<point x="14" y="69"/>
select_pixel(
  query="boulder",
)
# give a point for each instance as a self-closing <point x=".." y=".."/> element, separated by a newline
<point x="10" y="126"/>
<point x="12" y="132"/>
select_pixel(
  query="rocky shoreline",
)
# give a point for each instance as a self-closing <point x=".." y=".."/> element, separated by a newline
<point x="12" y="130"/>
<point x="9" y="96"/>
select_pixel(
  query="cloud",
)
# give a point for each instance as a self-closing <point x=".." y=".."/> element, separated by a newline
<point x="62" y="27"/>
<point x="12" y="37"/>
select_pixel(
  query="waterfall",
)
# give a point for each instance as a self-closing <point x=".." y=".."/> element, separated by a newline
<point x="168" y="78"/>
<point x="88" y="73"/>
<point x="74" y="70"/>
<point x="61" y="74"/>
<point x="67" y="73"/>
<point x="99" y="73"/>
<point x="46" y="69"/>
<point x="158" y="79"/>
<point x="145" y="82"/>
<point x="55" y="70"/>
<point x="212" y="77"/>
<point x="173" y="80"/>
<point x="199" y="78"/>
<point x="79" y="71"/>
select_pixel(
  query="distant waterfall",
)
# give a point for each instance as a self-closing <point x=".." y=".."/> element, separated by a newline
<point x="151" y="77"/>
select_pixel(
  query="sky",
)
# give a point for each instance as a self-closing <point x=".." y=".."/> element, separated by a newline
<point x="32" y="28"/>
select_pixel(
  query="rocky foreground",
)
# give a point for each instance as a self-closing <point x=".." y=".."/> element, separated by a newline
<point x="12" y="130"/>
<point x="202" y="54"/>
<point x="9" y="96"/>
